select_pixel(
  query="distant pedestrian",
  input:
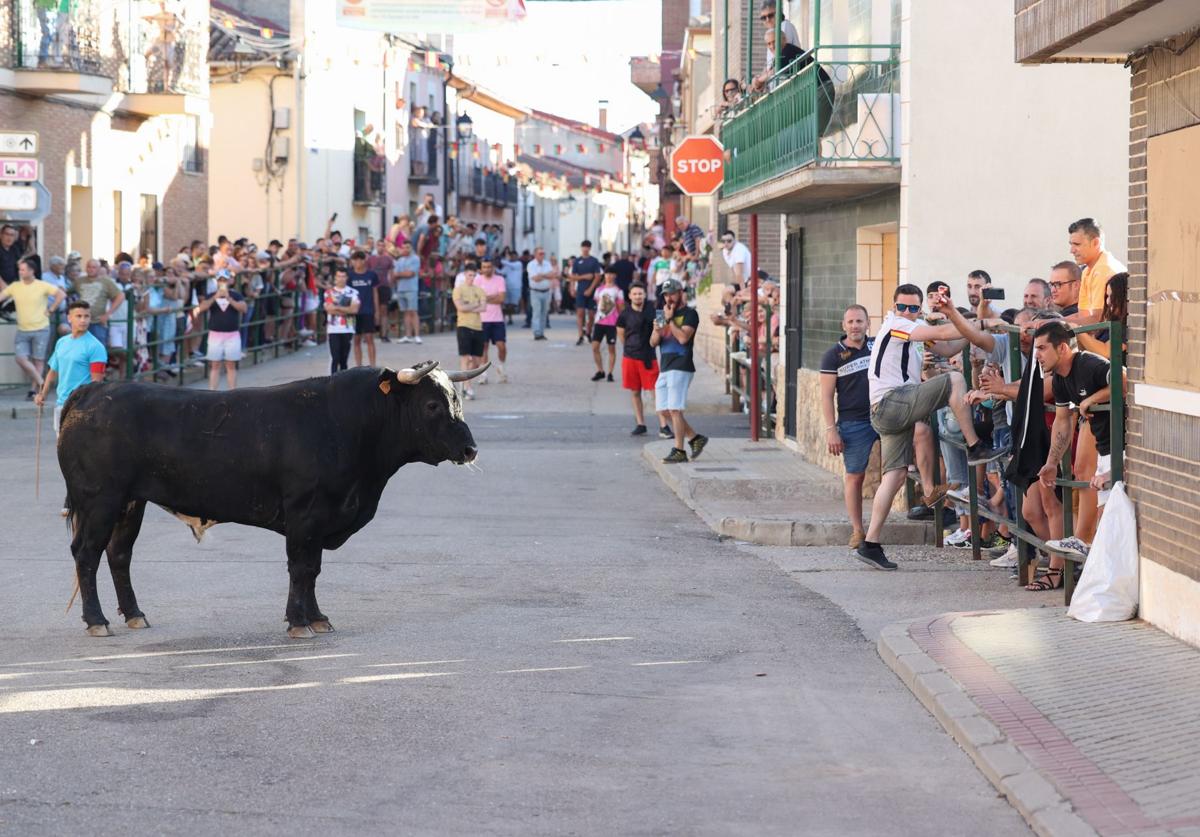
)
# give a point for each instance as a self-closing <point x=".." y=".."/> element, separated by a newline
<point x="225" y="309"/>
<point x="658" y="273"/>
<point x="542" y="273"/>
<point x="851" y="436"/>
<point x="78" y="358"/>
<point x="101" y="292"/>
<point x="383" y="265"/>
<point x="470" y="301"/>
<point x="407" y="294"/>
<point x="586" y="271"/>
<point x="609" y="302"/>
<point x="342" y="305"/>
<point x="639" y="366"/>
<point x="366" y="283"/>
<point x="494" y="332"/>
<point x="34" y="299"/>
<point x="693" y="236"/>
<point x="673" y="333"/>
<point x="625" y="270"/>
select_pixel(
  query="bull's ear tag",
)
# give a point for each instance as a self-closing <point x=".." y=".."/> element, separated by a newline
<point x="385" y="386"/>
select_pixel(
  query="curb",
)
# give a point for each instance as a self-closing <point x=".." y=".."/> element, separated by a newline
<point x="778" y="531"/>
<point x="1038" y="800"/>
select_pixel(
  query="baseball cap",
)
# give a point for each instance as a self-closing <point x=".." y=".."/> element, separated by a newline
<point x="671" y="286"/>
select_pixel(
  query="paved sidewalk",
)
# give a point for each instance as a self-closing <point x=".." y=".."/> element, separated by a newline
<point x="764" y="493"/>
<point x="1086" y="728"/>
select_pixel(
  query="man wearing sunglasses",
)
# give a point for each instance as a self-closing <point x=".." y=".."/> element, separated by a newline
<point x="737" y="257"/>
<point x="899" y="399"/>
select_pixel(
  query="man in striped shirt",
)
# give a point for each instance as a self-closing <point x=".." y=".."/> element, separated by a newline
<point x="900" y="399"/>
<point x="693" y="236"/>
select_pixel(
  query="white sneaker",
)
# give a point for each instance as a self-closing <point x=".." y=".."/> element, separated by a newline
<point x="308" y="344"/>
<point x="482" y="379"/>
<point x="1072" y="544"/>
<point x="958" y="537"/>
<point x="404" y="339"/>
<point x="1008" y="560"/>
<point x="305" y="332"/>
<point x="469" y="394"/>
<point x="416" y="339"/>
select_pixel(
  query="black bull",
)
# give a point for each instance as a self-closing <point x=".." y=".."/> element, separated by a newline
<point x="308" y="460"/>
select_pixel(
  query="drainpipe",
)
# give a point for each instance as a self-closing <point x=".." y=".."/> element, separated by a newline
<point x="755" y="420"/>
<point x="301" y="156"/>
<point x="725" y="53"/>
<point x="749" y="39"/>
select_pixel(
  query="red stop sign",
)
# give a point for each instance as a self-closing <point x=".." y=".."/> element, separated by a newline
<point x="698" y="165"/>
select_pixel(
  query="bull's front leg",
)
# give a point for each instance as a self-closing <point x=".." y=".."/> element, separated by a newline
<point x="317" y="620"/>
<point x="304" y="563"/>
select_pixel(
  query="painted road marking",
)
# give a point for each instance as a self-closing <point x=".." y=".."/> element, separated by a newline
<point x="597" y="639"/>
<point x="262" y="662"/>
<point x="407" y="675"/>
<point x="671" y="663"/>
<point x="422" y="663"/>
<point x="532" y="670"/>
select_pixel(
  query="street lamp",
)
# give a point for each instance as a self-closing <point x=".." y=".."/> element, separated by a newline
<point x="464" y="125"/>
<point x="637" y="139"/>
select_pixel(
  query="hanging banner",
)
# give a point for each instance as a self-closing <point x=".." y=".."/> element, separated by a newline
<point x="428" y="16"/>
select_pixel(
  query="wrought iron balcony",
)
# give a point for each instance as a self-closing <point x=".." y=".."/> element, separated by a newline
<point x="424" y="151"/>
<point x="834" y="116"/>
<point x="96" y="46"/>
<point x="369" y="171"/>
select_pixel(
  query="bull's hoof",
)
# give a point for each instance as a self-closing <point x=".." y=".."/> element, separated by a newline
<point x="300" y="632"/>
<point x="99" y="630"/>
<point x="321" y="626"/>
<point x="137" y="622"/>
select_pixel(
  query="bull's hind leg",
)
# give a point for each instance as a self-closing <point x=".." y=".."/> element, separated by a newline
<point x="94" y="525"/>
<point x="317" y="620"/>
<point x="304" y="562"/>
<point x="120" y="553"/>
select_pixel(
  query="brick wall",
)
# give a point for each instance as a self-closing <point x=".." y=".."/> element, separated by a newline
<point x="830" y="259"/>
<point x="1163" y="448"/>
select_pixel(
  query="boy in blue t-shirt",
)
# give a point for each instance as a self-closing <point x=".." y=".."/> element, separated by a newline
<point x="78" y="359"/>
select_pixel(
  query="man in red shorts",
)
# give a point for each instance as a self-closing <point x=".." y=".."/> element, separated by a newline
<point x="639" y="366"/>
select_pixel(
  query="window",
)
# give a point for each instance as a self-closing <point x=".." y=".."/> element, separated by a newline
<point x="148" y="240"/>
<point x="193" y="152"/>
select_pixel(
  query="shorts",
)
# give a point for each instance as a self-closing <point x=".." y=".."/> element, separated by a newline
<point x="898" y="412"/>
<point x="859" y="437"/>
<point x="116" y="336"/>
<point x="607" y="333"/>
<point x="671" y="389"/>
<point x="1001" y="440"/>
<point x="582" y="300"/>
<point x="364" y="324"/>
<point x="100" y="332"/>
<point x="309" y="302"/>
<point x="385" y="295"/>
<point x="32" y="344"/>
<point x="407" y="300"/>
<point x="470" y="341"/>
<point x="494" y="332"/>
<point x="636" y="376"/>
<point x="1103" y="466"/>
<point x="224" y="345"/>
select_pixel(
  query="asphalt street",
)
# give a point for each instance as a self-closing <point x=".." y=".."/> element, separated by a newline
<point x="549" y="644"/>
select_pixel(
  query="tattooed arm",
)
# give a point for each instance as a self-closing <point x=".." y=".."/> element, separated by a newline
<point x="1060" y="440"/>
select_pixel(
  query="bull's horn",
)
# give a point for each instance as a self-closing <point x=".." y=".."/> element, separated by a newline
<point x="416" y="373"/>
<point x="459" y="377"/>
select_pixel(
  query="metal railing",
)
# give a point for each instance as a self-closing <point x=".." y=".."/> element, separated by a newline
<point x="368" y="179"/>
<point x="1026" y="540"/>
<point x="817" y="110"/>
<point x="165" y="343"/>
<point x="737" y="378"/>
<point x="137" y="44"/>
<point x="423" y="167"/>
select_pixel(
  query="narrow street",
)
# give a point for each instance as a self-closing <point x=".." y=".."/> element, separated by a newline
<point x="553" y="644"/>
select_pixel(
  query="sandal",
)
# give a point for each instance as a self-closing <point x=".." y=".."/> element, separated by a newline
<point x="1050" y="580"/>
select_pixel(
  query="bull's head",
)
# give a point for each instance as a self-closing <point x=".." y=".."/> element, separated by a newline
<point x="433" y="410"/>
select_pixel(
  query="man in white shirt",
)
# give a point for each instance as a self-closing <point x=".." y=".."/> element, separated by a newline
<point x="541" y="273"/>
<point x="737" y="257"/>
<point x="899" y="399"/>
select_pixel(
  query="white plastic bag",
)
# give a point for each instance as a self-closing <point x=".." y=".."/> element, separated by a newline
<point x="1108" y="588"/>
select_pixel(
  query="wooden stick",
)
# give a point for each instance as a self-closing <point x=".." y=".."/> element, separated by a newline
<point x="37" y="458"/>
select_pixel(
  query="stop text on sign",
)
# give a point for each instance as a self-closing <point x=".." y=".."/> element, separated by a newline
<point x="698" y="165"/>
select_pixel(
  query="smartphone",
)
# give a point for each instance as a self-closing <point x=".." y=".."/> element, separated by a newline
<point x="993" y="293"/>
<point x="660" y="319"/>
<point x="333" y="217"/>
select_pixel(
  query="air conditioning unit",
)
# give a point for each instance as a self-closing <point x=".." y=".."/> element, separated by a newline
<point x="281" y="149"/>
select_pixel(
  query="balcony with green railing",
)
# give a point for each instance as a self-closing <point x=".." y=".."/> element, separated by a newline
<point x="825" y="128"/>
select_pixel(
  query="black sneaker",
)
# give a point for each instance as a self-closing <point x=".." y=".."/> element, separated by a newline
<point x="599" y="376"/>
<point x="919" y="512"/>
<point x="385" y="339"/>
<point x="579" y="342"/>
<point x="610" y="378"/>
<point x="676" y="455"/>
<point x="873" y="557"/>
<point x="981" y="454"/>
<point x="666" y="432"/>
<point x="640" y="430"/>
<point x="965" y="543"/>
<point x="697" y="444"/>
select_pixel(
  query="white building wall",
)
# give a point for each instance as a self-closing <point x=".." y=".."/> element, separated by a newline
<point x="535" y="131"/>
<point x="997" y="159"/>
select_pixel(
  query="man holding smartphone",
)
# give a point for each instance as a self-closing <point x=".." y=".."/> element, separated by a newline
<point x="225" y="309"/>
<point x="674" y="328"/>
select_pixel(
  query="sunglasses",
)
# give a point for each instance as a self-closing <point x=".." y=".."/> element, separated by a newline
<point x="766" y="17"/>
<point x="727" y="240"/>
<point x="912" y="309"/>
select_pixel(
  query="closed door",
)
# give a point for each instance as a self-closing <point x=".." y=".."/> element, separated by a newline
<point x="795" y="284"/>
